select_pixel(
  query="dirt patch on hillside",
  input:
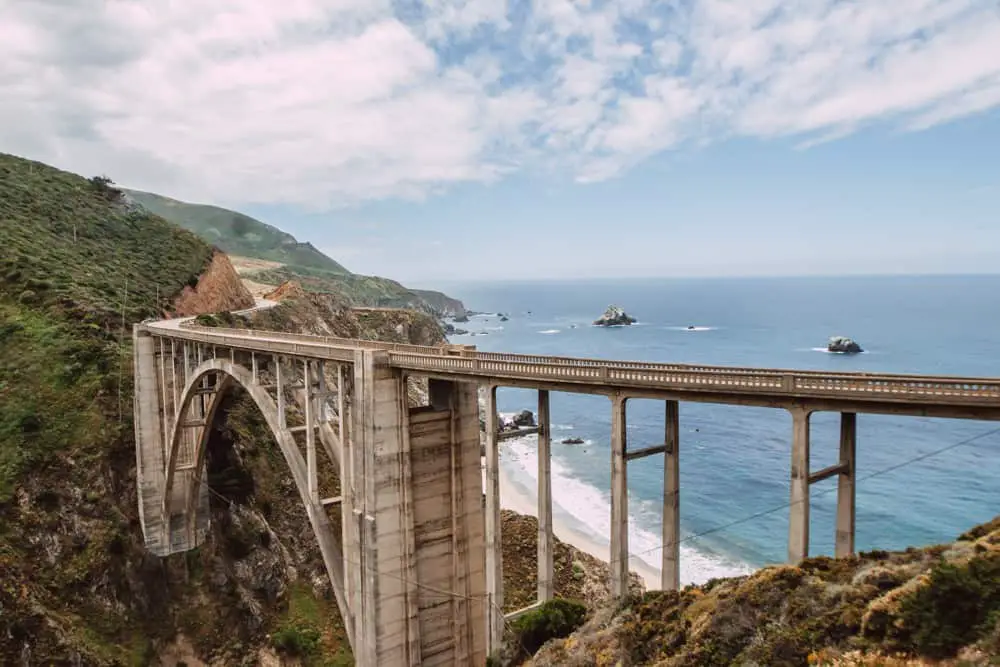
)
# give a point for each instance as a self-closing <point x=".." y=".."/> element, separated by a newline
<point x="219" y="288"/>
<point x="248" y="265"/>
<point x="286" y="291"/>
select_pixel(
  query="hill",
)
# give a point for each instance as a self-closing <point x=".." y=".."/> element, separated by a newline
<point x="241" y="235"/>
<point x="237" y="234"/>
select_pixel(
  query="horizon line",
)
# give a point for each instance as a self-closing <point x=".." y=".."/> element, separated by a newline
<point x="785" y="276"/>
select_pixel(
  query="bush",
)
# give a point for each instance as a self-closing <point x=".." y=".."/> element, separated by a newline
<point x="552" y="620"/>
<point x="960" y="604"/>
<point x="296" y="641"/>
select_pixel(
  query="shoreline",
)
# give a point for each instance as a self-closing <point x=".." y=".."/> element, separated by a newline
<point x="514" y="499"/>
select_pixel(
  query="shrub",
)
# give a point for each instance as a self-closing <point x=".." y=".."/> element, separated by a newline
<point x="552" y="620"/>
<point x="296" y="641"/>
<point x="959" y="605"/>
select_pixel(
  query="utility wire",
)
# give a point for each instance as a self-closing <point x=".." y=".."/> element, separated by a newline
<point x="778" y="508"/>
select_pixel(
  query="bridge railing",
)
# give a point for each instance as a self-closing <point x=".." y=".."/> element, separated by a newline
<point x="446" y="359"/>
<point x="811" y="383"/>
<point x="313" y="339"/>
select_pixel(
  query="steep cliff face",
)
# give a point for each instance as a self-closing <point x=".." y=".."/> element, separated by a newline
<point x="219" y="288"/>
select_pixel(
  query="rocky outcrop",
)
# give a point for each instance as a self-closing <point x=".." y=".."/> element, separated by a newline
<point x="920" y="606"/>
<point x="441" y="304"/>
<point x="524" y="418"/>
<point x="572" y="441"/>
<point x="219" y="288"/>
<point x="288" y="290"/>
<point x="614" y="316"/>
<point x="843" y="345"/>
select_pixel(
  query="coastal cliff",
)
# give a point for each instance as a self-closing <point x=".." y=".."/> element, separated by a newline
<point x="935" y="605"/>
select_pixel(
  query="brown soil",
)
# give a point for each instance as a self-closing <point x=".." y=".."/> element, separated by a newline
<point x="219" y="289"/>
<point x="290" y="289"/>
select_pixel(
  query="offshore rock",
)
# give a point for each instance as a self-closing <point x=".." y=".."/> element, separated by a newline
<point x="843" y="345"/>
<point x="614" y="316"/>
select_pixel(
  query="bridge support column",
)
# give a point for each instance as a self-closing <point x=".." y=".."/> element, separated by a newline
<point x="619" y="501"/>
<point x="798" y="519"/>
<point x="416" y="480"/>
<point x="465" y="560"/>
<point x="546" y="546"/>
<point x="378" y="559"/>
<point x="670" y="572"/>
<point x="844" y="543"/>
<point x="494" y="555"/>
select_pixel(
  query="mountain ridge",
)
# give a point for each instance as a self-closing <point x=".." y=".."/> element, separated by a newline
<point x="241" y="235"/>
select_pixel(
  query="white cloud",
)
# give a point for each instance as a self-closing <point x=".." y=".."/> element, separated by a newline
<point x="322" y="103"/>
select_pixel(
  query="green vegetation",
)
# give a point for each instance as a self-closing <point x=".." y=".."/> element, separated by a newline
<point x="551" y="620"/>
<point x="959" y="605"/>
<point x="876" y="608"/>
<point x="78" y="268"/>
<point x="308" y="631"/>
<point x="237" y="234"/>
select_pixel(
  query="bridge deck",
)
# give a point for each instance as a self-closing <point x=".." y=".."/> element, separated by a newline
<point x="959" y="397"/>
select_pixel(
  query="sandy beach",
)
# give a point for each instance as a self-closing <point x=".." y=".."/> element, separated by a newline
<point x="515" y="499"/>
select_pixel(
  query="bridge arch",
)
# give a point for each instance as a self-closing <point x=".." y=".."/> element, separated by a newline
<point x="228" y="376"/>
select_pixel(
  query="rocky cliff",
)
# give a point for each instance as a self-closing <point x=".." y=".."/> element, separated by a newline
<point x="218" y="288"/>
<point x="936" y="605"/>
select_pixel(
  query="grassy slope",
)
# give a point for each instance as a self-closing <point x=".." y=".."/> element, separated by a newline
<point x="238" y="234"/>
<point x="74" y="264"/>
<point x="71" y="561"/>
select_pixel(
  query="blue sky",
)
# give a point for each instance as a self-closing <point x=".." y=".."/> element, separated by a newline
<point x="484" y="139"/>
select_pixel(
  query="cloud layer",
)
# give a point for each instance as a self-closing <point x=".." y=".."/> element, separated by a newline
<point x="322" y="103"/>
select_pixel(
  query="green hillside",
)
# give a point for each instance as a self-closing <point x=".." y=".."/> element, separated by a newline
<point x="237" y="234"/>
<point x="78" y="268"/>
<point x="241" y="235"/>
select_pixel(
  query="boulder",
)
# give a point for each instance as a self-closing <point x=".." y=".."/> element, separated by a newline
<point x="614" y="316"/>
<point x="843" y="345"/>
<point x="524" y="418"/>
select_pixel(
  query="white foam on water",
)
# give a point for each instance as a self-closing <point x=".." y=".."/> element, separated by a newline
<point x="590" y="507"/>
<point x="549" y="331"/>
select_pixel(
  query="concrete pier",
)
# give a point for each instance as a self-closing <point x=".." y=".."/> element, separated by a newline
<point x="546" y="543"/>
<point x="618" y="559"/>
<point x="670" y="568"/>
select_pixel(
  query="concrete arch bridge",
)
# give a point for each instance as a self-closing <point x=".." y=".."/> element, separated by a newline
<point x="413" y="557"/>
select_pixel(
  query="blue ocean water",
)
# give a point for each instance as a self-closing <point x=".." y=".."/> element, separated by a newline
<point x="735" y="460"/>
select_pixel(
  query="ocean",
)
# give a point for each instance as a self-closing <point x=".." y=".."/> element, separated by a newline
<point x="735" y="460"/>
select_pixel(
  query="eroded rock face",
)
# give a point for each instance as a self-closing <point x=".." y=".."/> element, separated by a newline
<point x="614" y="316"/>
<point x="218" y="289"/>
<point x="843" y="345"/>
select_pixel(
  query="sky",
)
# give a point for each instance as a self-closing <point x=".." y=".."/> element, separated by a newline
<point x="508" y="139"/>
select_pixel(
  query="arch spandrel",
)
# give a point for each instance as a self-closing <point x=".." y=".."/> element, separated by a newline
<point x="230" y="375"/>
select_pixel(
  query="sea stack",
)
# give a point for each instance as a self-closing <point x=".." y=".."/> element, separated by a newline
<point x="843" y="345"/>
<point x="614" y="316"/>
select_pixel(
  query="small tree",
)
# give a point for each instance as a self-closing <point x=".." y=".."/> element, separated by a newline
<point x="104" y="186"/>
